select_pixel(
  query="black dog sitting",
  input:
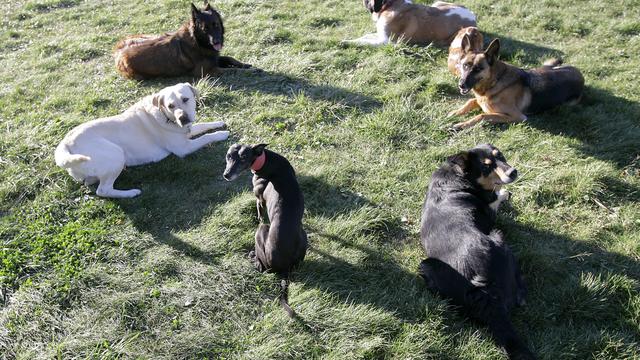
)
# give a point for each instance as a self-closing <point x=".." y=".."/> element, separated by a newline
<point x="281" y="244"/>
<point x="468" y="261"/>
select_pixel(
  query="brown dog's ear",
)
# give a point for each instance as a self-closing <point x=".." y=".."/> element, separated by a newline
<point x="492" y="52"/>
<point x="258" y="149"/>
<point x="466" y="43"/>
<point x="158" y="100"/>
<point x="459" y="159"/>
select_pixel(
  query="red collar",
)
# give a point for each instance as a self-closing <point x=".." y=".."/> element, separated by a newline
<point x="258" y="163"/>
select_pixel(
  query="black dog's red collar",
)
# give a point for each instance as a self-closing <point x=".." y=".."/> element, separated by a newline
<point x="258" y="163"/>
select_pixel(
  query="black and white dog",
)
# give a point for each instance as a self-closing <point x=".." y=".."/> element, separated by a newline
<point x="282" y="243"/>
<point x="468" y="261"/>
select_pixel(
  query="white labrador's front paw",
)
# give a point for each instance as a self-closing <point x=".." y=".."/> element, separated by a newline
<point x="221" y="135"/>
<point x="217" y="124"/>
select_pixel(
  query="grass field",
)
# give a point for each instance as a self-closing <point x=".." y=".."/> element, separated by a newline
<point x="164" y="275"/>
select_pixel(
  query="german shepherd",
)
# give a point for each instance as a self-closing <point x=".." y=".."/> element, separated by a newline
<point x="506" y="93"/>
<point x="192" y="50"/>
<point x="415" y="23"/>
<point x="455" y="49"/>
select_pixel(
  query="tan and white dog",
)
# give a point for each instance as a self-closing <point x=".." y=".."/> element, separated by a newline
<point x="456" y="52"/>
<point x="150" y="130"/>
<point x="401" y="20"/>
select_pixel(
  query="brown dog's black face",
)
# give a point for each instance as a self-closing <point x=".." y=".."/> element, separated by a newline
<point x="240" y="158"/>
<point x="207" y="28"/>
<point x="476" y="66"/>
<point x="485" y="165"/>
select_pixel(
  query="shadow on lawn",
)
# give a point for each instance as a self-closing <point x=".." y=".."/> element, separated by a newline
<point x="176" y="195"/>
<point x="276" y="83"/>
<point x="377" y="280"/>
<point x="579" y="293"/>
<point x="607" y="126"/>
<point x="526" y="53"/>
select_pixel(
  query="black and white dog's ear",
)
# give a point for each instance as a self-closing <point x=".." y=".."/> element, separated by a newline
<point x="258" y="149"/>
<point x="377" y="5"/>
<point x="158" y="100"/>
<point x="459" y="159"/>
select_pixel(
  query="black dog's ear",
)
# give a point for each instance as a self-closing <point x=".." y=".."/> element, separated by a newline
<point x="459" y="159"/>
<point x="466" y="43"/>
<point x="258" y="149"/>
<point x="207" y="6"/>
<point x="492" y="52"/>
<point x="194" y="11"/>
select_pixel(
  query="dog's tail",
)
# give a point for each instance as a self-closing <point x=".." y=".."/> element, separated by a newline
<point x="284" y="297"/>
<point x="65" y="159"/>
<point x="483" y="306"/>
<point x="552" y="62"/>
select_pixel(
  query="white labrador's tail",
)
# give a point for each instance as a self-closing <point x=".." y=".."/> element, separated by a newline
<point x="65" y="159"/>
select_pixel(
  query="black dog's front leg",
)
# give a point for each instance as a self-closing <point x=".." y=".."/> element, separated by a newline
<point x="259" y="185"/>
<point x="229" y="62"/>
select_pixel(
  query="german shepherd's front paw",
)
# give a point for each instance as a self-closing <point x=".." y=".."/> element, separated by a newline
<point x="452" y="114"/>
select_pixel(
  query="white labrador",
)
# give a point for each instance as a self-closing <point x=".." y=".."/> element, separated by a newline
<point x="150" y="130"/>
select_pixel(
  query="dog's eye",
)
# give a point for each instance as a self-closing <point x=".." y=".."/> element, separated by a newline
<point x="466" y="66"/>
<point x="185" y="99"/>
<point x="170" y="106"/>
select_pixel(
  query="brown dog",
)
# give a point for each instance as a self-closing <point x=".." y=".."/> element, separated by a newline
<point x="193" y="50"/>
<point x="506" y="93"/>
<point x="455" y="49"/>
<point x="415" y="23"/>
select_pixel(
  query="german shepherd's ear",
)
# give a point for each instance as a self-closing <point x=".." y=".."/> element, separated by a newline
<point x="194" y="12"/>
<point x="207" y="6"/>
<point x="466" y="43"/>
<point x="493" y="51"/>
<point x="459" y="160"/>
<point x="258" y="149"/>
<point x="158" y="100"/>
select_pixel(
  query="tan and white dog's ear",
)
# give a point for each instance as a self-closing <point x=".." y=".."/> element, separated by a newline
<point x="195" y="91"/>
<point x="158" y="100"/>
<point x="466" y="43"/>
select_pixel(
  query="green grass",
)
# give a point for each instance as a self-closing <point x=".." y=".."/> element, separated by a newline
<point x="165" y="275"/>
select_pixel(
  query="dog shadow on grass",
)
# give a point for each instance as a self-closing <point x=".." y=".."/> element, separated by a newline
<point x="528" y="54"/>
<point x="579" y="293"/>
<point x="177" y="194"/>
<point x="277" y="83"/>
<point x="607" y="126"/>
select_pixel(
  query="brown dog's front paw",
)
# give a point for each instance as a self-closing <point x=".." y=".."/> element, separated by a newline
<point x="452" y="114"/>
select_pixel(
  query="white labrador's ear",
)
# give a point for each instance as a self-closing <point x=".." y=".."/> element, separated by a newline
<point x="195" y="91"/>
<point x="158" y="100"/>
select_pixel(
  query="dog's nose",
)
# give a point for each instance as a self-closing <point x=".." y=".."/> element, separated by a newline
<point x="184" y="120"/>
<point x="512" y="173"/>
